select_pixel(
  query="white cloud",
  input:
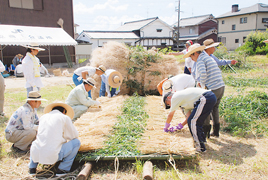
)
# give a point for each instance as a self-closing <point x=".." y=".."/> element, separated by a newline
<point x="171" y="5"/>
<point x="81" y="8"/>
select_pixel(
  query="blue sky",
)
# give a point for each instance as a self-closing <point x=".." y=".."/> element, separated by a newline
<point x="110" y="14"/>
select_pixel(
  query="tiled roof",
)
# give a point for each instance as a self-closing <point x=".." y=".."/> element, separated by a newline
<point x="135" y="25"/>
<point x="259" y="7"/>
<point x="192" y="21"/>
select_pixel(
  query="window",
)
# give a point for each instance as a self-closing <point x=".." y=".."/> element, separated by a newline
<point x="222" y="39"/>
<point x="236" y="40"/>
<point x="244" y="38"/>
<point x="264" y="20"/>
<point x="158" y="30"/>
<point x="27" y="4"/>
<point x="163" y="44"/>
<point x="233" y="27"/>
<point x="191" y="31"/>
<point x="243" y="20"/>
<point x="222" y="22"/>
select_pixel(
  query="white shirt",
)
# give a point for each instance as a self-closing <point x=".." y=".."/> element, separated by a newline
<point x="79" y="96"/>
<point x="54" y="130"/>
<point x="91" y="71"/>
<point x="186" y="98"/>
<point x="182" y="81"/>
<point x="2" y="67"/>
<point x="28" y="71"/>
<point x="19" y="69"/>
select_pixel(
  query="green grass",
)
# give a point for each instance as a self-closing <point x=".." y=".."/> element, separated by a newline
<point x="245" y="114"/>
<point x="246" y="82"/>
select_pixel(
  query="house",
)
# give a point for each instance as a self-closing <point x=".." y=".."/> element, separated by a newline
<point x="235" y="25"/>
<point x="38" y="13"/>
<point x="197" y="29"/>
<point x="99" y="38"/>
<point x="151" y="32"/>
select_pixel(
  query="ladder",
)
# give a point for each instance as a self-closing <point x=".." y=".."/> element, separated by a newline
<point x="68" y="57"/>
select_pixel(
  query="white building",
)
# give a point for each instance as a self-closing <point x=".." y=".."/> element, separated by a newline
<point x="151" y="32"/>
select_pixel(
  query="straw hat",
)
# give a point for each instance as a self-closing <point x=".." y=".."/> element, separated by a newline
<point x="210" y="43"/>
<point x="90" y="82"/>
<point x="19" y="55"/>
<point x="102" y="68"/>
<point x="115" y="79"/>
<point x="35" y="96"/>
<point x="193" y="48"/>
<point x="265" y="41"/>
<point x="167" y="86"/>
<point x="34" y="45"/>
<point x="69" y="109"/>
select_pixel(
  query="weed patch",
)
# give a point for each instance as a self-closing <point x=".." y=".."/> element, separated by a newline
<point x="246" y="82"/>
<point x="245" y="114"/>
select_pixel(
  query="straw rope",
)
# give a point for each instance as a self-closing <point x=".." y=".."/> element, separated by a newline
<point x="116" y="166"/>
<point x="173" y="164"/>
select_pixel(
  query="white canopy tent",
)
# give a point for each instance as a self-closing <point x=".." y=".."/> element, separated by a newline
<point x="13" y="35"/>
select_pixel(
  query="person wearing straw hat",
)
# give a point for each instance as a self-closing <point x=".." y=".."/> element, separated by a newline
<point x="188" y="61"/>
<point x="78" y="98"/>
<point x="30" y="65"/>
<point x="210" y="78"/>
<point x="56" y="140"/>
<point x="197" y="104"/>
<point x="23" y="124"/>
<point x="110" y="83"/>
<point x="210" y="49"/>
<point x="17" y="59"/>
<point x="82" y="73"/>
<point x="175" y="83"/>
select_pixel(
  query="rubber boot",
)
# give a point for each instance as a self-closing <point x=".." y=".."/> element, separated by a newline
<point x="206" y="129"/>
<point x="216" y="130"/>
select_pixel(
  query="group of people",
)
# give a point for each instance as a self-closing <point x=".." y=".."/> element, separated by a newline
<point x="198" y="94"/>
<point x="53" y="137"/>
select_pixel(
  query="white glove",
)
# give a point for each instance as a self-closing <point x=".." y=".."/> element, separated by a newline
<point x="79" y="78"/>
<point x="35" y="88"/>
<point x="97" y="103"/>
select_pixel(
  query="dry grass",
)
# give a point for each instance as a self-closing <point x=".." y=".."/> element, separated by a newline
<point x="93" y="127"/>
<point x="155" y="140"/>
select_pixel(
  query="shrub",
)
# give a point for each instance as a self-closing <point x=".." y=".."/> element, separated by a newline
<point x="254" y="43"/>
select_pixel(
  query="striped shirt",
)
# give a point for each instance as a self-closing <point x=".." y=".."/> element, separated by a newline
<point x="209" y="72"/>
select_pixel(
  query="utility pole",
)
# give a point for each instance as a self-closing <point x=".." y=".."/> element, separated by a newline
<point x="178" y="28"/>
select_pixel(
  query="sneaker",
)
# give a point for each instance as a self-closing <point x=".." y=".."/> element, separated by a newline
<point x="17" y="150"/>
<point x="199" y="147"/>
<point x="32" y="171"/>
<point x="61" y="172"/>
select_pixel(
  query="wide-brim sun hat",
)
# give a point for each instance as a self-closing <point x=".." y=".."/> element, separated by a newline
<point x="194" y="48"/>
<point x="115" y="79"/>
<point x="35" y="96"/>
<point x="69" y="109"/>
<point x="102" y="68"/>
<point x="210" y="43"/>
<point x="265" y="41"/>
<point x="34" y="45"/>
<point x="90" y="81"/>
<point x="167" y="86"/>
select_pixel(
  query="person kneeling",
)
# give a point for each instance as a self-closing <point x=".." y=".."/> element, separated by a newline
<point x="56" y="140"/>
<point x="23" y="124"/>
